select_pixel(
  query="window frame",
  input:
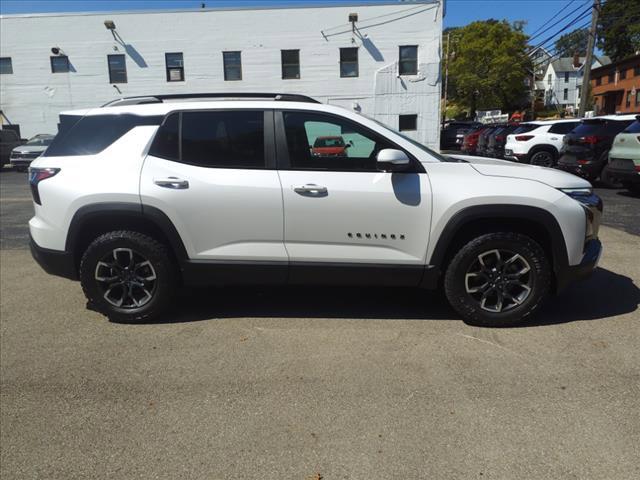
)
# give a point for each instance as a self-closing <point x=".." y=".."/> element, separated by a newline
<point x="598" y="81"/>
<point x="400" y="60"/>
<point x="124" y="57"/>
<point x="343" y="62"/>
<point x="52" y="58"/>
<point x="167" y="67"/>
<point x="283" y="65"/>
<point x="10" y="66"/>
<point x="282" y="147"/>
<point x="566" y="77"/>
<point x="414" y="116"/>
<point x="622" y="75"/>
<point x="224" y="65"/>
<point x="565" y="94"/>
<point x="269" y="140"/>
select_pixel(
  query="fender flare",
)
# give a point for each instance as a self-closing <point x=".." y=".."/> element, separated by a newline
<point x="538" y="216"/>
<point x="125" y="210"/>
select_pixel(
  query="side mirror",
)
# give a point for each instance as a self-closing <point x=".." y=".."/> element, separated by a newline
<point x="392" y="160"/>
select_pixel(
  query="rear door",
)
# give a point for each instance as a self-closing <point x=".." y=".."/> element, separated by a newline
<point x="345" y="220"/>
<point x="212" y="173"/>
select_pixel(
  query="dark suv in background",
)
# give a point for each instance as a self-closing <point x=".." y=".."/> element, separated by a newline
<point x="9" y="140"/>
<point x="497" y="140"/>
<point x="452" y="135"/>
<point x="586" y="148"/>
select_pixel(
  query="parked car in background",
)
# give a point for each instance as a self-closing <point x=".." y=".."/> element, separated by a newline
<point x="624" y="157"/>
<point x="329" y="147"/>
<point x="483" y="139"/>
<point x="496" y="141"/>
<point x="585" y="150"/>
<point x="470" y="140"/>
<point x="452" y="135"/>
<point x="8" y="141"/>
<point x="538" y="142"/>
<point x="23" y="155"/>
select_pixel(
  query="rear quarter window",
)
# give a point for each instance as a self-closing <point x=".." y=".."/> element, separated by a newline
<point x="589" y="128"/>
<point x="525" y="129"/>
<point x="564" y="127"/>
<point x="92" y="134"/>
<point x="633" y="128"/>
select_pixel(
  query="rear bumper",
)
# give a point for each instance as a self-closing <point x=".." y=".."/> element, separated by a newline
<point x="624" y="175"/>
<point x="590" y="170"/>
<point x="590" y="259"/>
<point x="54" y="262"/>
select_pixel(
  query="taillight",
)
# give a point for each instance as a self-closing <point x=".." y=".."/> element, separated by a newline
<point x="592" y="139"/>
<point x="523" y="138"/>
<point x="583" y="162"/>
<point x="637" y="167"/>
<point x="36" y="175"/>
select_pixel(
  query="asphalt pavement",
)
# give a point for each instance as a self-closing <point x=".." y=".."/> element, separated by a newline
<point x="317" y="383"/>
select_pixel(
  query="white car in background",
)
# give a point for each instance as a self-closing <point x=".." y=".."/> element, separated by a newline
<point x="538" y="142"/>
<point x="23" y="155"/>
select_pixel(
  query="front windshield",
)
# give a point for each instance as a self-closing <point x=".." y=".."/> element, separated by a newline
<point x="422" y="147"/>
<point x="40" y="141"/>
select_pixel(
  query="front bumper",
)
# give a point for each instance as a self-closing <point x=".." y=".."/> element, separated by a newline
<point x="54" y="262"/>
<point x="21" y="162"/>
<point x="592" y="253"/>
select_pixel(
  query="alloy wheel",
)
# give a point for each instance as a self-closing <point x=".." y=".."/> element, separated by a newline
<point x="499" y="280"/>
<point x="542" y="159"/>
<point x="126" y="278"/>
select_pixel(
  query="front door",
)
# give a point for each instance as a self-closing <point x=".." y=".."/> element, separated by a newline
<point x="345" y="220"/>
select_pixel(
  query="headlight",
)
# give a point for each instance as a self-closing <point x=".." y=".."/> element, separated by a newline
<point x="592" y="205"/>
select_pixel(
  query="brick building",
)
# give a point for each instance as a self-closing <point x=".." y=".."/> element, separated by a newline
<point x="616" y="87"/>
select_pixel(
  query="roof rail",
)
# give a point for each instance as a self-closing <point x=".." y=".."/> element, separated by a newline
<point x="283" y="97"/>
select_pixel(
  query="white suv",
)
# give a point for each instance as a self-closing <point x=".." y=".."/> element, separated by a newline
<point x="538" y="143"/>
<point x="139" y="197"/>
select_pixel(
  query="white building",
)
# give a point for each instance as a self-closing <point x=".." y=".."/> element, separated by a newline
<point x="380" y="59"/>
<point x="563" y="81"/>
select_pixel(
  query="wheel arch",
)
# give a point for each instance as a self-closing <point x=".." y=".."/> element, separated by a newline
<point x="473" y="221"/>
<point x="91" y="221"/>
<point x="545" y="147"/>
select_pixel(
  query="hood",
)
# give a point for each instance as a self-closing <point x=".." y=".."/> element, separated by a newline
<point x="503" y="168"/>
<point x="30" y="148"/>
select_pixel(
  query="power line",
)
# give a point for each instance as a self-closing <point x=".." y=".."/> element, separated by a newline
<point x="562" y="19"/>
<point x="552" y="18"/>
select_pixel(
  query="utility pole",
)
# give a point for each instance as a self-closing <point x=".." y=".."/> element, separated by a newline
<point x="584" y="91"/>
<point x="533" y="93"/>
<point x="446" y="80"/>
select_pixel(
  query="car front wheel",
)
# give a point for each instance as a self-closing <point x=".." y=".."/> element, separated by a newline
<point x="498" y="279"/>
<point x="128" y="276"/>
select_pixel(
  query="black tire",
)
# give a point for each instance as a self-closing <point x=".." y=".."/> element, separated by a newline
<point x="460" y="277"/>
<point x="142" y="263"/>
<point x="543" y="158"/>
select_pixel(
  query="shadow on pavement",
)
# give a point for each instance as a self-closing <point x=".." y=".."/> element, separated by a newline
<point x="604" y="295"/>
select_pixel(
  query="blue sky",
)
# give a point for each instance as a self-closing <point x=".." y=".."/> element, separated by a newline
<point x="459" y="12"/>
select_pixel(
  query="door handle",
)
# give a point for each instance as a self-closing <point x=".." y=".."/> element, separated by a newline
<point x="171" y="182"/>
<point x="311" y="189"/>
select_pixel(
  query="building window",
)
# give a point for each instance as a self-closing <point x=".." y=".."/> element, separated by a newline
<point x="290" y="64"/>
<point x="175" y="67"/>
<point x="60" y="64"/>
<point x="629" y="98"/>
<point x="565" y="94"/>
<point x="549" y="79"/>
<point x="612" y="77"/>
<point x="349" y="62"/>
<point x="623" y="74"/>
<point x="232" y="65"/>
<point x="408" y="123"/>
<point x="638" y="97"/>
<point x="566" y="77"/>
<point x="598" y="81"/>
<point x="117" y="68"/>
<point x="408" y="60"/>
<point x="636" y="70"/>
<point x="5" y="66"/>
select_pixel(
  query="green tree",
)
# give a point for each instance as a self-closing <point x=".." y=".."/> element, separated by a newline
<point x="573" y="42"/>
<point x="618" y="29"/>
<point x="489" y="66"/>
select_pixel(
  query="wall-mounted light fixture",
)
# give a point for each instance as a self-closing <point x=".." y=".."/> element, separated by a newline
<point x="57" y="51"/>
<point x="110" y="25"/>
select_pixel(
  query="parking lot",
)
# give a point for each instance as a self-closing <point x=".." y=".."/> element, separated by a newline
<point x="318" y="383"/>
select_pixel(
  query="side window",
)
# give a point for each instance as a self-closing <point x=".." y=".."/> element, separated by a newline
<point x="325" y="142"/>
<point x="562" y="128"/>
<point x="174" y="66"/>
<point x="117" y="68"/>
<point x="60" y="64"/>
<point x="6" y="68"/>
<point x="408" y="60"/>
<point x="165" y="144"/>
<point x="232" y="62"/>
<point x="223" y="139"/>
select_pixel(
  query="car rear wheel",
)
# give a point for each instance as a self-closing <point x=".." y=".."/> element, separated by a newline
<point x="128" y="276"/>
<point x="543" y="158"/>
<point x="498" y="279"/>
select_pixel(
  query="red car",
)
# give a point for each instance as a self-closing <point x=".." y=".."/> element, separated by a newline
<point x="329" y="147"/>
<point x="470" y="142"/>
